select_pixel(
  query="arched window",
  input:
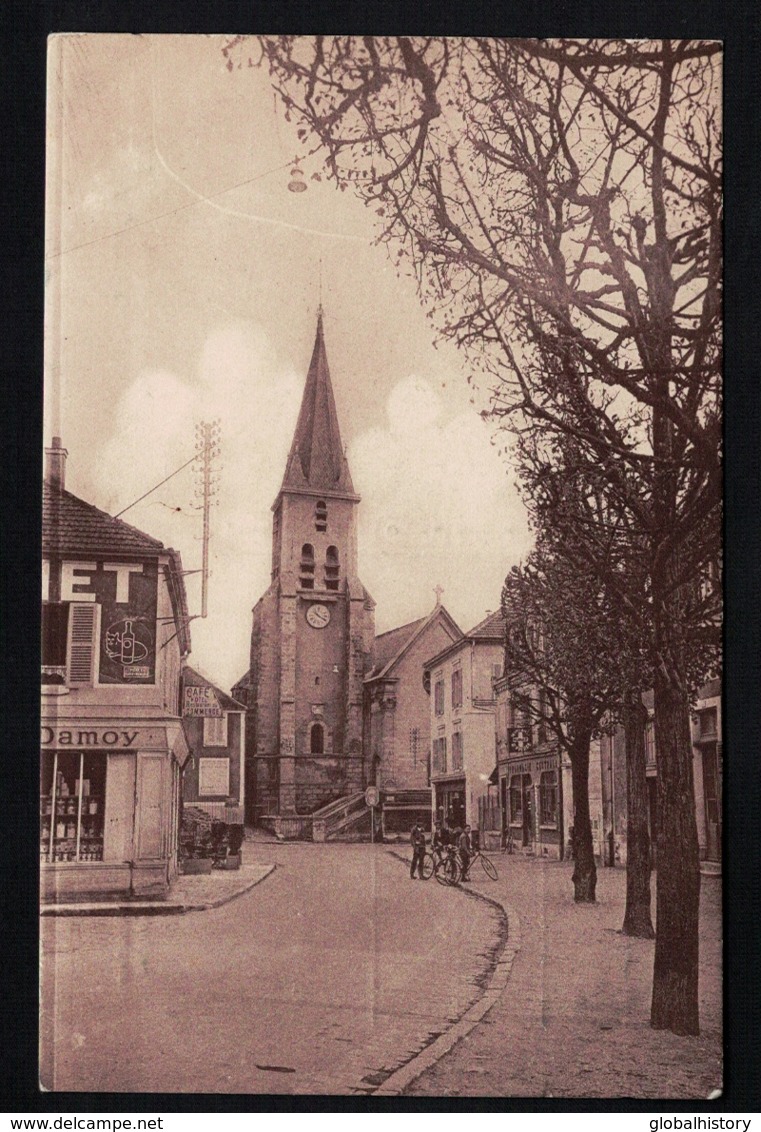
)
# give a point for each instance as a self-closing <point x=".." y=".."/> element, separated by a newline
<point x="321" y="515"/>
<point x="307" y="566"/>
<point x="316" y="739"/>
<point x="331" y="568"/>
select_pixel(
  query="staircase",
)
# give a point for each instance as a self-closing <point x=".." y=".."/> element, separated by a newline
<point x="345" y="819"/>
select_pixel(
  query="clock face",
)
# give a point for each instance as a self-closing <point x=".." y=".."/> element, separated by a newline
<point x="318" y="616"/>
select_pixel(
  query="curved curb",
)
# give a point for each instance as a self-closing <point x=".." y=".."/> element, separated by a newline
<point x="401" y="1078"/>
<point x="153" y="907"/>
<point x="229" y="897"/>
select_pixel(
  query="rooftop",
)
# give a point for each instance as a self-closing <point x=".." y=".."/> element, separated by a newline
<point x="71" y="526"/>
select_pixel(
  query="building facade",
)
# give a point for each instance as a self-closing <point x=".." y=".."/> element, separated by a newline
<point x="706" y="731"/>
<point x="114" y="638"/>
<point x="313" y="629"/>
<point x="462" y="714"/>
<point x="397" y="719"/>
<point x="214" y="775"/>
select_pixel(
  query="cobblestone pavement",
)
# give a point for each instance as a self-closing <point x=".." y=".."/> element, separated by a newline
<point x="573" y="1021"/>
<point x="322" y="979"/>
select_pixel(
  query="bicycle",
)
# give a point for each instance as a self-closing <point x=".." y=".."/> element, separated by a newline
<point x="428" y="865"/>
<point x="486" y="864"/>
<point x="446" y="867"/>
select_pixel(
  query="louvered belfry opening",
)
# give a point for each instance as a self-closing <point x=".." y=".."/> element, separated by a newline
<point x="306" y="568"/>
<point x="331" y="568"/>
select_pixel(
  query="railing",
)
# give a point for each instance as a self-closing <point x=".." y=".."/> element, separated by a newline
<point x="330" y="818"/>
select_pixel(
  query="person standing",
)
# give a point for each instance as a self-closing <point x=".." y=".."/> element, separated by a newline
<point x="417" y="841"/>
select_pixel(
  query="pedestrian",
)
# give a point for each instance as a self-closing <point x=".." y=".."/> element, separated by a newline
<point x="464" y="846"/>
<point x="417" y="841"/>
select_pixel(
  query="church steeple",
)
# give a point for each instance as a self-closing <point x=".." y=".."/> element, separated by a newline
<point x="316" y="462"/>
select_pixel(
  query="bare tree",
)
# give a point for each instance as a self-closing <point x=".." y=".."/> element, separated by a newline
<point x="560" y="202"/>
<point x="557" y="635"/>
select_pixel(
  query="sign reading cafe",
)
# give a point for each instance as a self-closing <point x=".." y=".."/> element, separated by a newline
<point x="200" y="701"/>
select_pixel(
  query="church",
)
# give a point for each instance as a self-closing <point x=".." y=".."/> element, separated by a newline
<point x="319" y="680"/>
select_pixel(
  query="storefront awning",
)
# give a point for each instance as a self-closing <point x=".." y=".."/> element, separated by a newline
<point x="494" y="777"/>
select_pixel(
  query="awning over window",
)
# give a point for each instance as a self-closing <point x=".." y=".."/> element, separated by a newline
<point x="494" y="777"/>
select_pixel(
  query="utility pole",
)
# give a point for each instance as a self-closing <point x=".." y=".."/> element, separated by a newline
<point x="207" y="450"/>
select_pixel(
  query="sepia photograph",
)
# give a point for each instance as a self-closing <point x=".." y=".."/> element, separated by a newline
<point x="381" y="674"/>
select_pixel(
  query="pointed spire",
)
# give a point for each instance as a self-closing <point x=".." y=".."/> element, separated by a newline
<point x="316" y="460"/>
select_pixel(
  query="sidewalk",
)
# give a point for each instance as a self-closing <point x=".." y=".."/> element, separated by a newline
<point x="573" y="1020"/>
<point x="187" y="894"/>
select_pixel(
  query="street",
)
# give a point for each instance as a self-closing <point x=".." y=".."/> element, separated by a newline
<point x="322" y="979"/>
<point x="574" y="1020"/>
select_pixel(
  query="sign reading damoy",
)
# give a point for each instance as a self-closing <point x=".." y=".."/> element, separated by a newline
<point x="92" y="737"/>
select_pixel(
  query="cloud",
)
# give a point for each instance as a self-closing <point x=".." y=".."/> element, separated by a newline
<point x="241" y="383"/>
<point x="437" y="508"/>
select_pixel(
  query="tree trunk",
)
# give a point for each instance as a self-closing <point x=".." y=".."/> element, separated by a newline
<point x="675" y="975"/>
<point x="637" y="918"/>
<point x="584" y="869"/>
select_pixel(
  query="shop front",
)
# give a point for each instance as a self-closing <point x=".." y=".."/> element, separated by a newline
<point x="109" y="807"/>
<point x="532" y="806"/>
<point x="449" y="802"/>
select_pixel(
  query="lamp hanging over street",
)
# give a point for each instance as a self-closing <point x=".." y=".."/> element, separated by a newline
<point x="297" y="184"/>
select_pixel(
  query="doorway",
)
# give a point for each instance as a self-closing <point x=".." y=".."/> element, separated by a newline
<point x="527" y="810"/>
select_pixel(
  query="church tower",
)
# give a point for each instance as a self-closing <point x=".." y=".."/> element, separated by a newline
<point x="313" y="629"/>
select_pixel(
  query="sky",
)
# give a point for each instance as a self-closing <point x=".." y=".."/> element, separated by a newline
<point x="182" y="285"/>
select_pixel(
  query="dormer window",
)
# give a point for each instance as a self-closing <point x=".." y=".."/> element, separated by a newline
<point x="306" y="570"/>
<point x="331" y="568"/>
<point x="321" y="515"/>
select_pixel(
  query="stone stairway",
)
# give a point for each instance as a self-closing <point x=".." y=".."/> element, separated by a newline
<point x="345" y="819"/>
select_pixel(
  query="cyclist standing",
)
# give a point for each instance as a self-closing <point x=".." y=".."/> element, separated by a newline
<point x="464" y="847"/>
<point x="417" y="840"/>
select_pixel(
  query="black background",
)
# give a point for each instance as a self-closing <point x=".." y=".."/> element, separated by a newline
<point x="25" y="26"/>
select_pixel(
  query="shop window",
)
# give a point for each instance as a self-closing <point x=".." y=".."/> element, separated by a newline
<point x="214" y="777"/>
<point x="457" y="688"/>
<point x="72" y="805"/>
<point x="316" y="739"/>
<point x="548" y="797"/>
<point x="306" y="570"/>
<point x="516" y="800"/>
<point x="321" y="515"/>
<point x="331" y="568"/>
<point x="438" y="697"/>
<point x="457" y="750"/>
<point x="215" y="730"/>
<point x="70" y="633"/>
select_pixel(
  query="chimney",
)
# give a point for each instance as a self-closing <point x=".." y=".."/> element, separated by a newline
<point x="55" y="464"/>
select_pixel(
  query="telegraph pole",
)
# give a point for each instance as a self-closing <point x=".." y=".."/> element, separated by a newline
<point x="207" y="450"/>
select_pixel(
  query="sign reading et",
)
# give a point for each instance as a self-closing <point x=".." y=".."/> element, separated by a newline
<point x="87" y="737"/>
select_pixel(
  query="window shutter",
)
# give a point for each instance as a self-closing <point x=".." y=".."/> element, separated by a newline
<point x="82" y="644"/>
<point x="215" y="730"/>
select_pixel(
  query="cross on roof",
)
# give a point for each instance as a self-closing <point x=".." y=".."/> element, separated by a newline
<point x="438" y="590"/>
